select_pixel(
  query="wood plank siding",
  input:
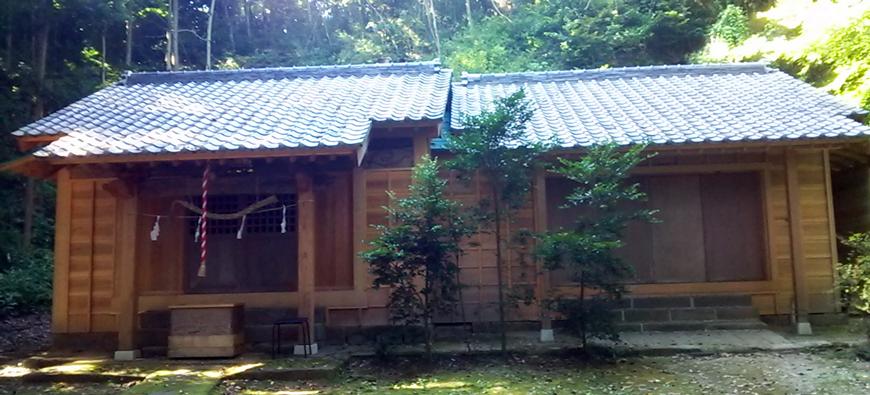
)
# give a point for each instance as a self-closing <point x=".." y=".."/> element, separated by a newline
<point x="725" y="210"/>
<point x="85" y="275"/>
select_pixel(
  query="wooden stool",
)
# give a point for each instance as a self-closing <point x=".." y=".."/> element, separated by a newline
<point x="301" y="322"/>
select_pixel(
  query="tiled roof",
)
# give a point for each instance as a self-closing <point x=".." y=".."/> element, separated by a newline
<point x="244" y="110"/>
<point x="663" y="105"/>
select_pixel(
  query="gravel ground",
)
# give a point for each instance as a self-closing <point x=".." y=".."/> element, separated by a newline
<point x="829" y="372"/>
<point x="25" y="334"/>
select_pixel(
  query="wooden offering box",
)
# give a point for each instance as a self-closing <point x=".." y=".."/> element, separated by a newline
<point x="206" y="331"/>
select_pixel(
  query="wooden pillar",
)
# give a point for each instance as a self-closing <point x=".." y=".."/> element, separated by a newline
<point x="305" y="209"/>
<point x="542" y="288"/>
<point x="125" y="263"/>
<point x="360" y="269"/>
<point x="796" y="236"/>
<point x="421" y="146"/>
<point x="60" y="289"/>
<point x="832" y="226"/>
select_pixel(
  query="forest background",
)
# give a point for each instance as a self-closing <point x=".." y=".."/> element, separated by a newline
<point x="53" y="52"/>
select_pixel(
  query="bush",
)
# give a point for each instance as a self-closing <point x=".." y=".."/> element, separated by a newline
<point x="854" y="274"/>
<point x="25" y="287"/>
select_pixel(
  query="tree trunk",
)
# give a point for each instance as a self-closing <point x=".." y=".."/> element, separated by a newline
<point x="103" y="56"/>
<point x="247" y="10"/>
<point x="172" y="37"/>
<point x="29" y="207"/>
<point x="41" y="57"/>
<point x="498" y="269"/>
<point x="468" y="15"/>
<point x="128" y="54"/>
<point x="208" y="36"/>
<point x="40" y="65"/>
<point x="7" y="58"/>
<point x="427" y="314"/>
<point x="433" y="23"/>
<point x="231" y="25"/>
<point x="583" y="314"/>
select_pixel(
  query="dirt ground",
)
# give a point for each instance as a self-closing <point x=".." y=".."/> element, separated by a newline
<point x="812" y="371"/>
<point x="25" y="334"/>
<point x="836" y="372"/>
<point x="828" y="372"/>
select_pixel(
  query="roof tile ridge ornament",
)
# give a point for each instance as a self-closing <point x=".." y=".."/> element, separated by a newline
<point x="274" y="73"/>
<point x="127" y="74"/>
<point x="628" y="72"/>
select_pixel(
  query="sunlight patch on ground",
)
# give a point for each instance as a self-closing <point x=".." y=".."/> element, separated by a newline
<point x="288" y="392"/>
<point x="14" y="371"/>
<point x="422" y="385"/>
<point x="83" y="366"/>
<point x="241" y="368"/>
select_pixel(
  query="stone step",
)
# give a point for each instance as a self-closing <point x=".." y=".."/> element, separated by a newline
<point x="685" y="314"/>
<point x="672" y="326"/>
<point x="645" y="302"/>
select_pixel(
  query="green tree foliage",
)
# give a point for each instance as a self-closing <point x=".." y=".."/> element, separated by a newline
<point x="415" y="256"/>
<point x="854" y="273"/>
<point x="494" y="145"/>
<point x="731" y="26"/>
<point x="583" y="34"/>
<point x="822" y="42"/>
<point x="586" y="251"/>
<point x="25" y="286"/>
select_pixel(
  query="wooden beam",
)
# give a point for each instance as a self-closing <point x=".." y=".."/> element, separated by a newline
<point x="60" y="289"/>
<point x="796" y="236"/>
<point x="542" y="288"/>
<point x="127" y="295"/>
<point x="26" y="143"/>
<point x="211" y="155"/>
<point x="421" y="147"/>
<point x="702" y="168"/>
<point x="120" y="189"/>
<point x="360" y="270"/>
<point x="29" y="166"/>
<point x="307" y="244"/>
<point x="832" y="227"/>
<point x="724" y="147"/>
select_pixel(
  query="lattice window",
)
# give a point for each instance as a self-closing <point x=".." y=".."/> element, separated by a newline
<point x="267" y="220"/>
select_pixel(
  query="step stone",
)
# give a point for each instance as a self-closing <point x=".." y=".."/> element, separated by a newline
<point x="722" y="300"/>
<point x="693" y="314"/>
<point x="661" y="301"/>
<point x="644" y="315"/>
<point x="736" y="313"/>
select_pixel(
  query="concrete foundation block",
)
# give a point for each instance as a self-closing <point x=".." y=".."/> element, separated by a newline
<point x="804" y="328"/>
<point x="547" y="335"/>
<point x="127" y="355"/>
<point x="299" y="349"/>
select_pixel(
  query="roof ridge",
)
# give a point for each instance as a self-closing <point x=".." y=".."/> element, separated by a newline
<point x="267" y="73"/>
<point x="617" y="73"/>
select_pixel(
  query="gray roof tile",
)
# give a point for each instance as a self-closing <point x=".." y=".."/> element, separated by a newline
<point x="663" y="105"/>
<point x="244" y="109"/>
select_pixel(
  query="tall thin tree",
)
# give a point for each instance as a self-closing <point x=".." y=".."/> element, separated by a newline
<point x="208" y="35"/>
<point x="494" y="146"/>
<point x="171" y="57"/>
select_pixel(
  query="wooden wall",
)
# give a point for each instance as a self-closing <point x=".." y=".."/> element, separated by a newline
<point x="86" y="298"/>
<point x="86" y="257"/>
<point x="774" y="295"/>
<point x="334" y="269"/>
<point x="710" y="227"/>
<point x="817" y="219"/>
